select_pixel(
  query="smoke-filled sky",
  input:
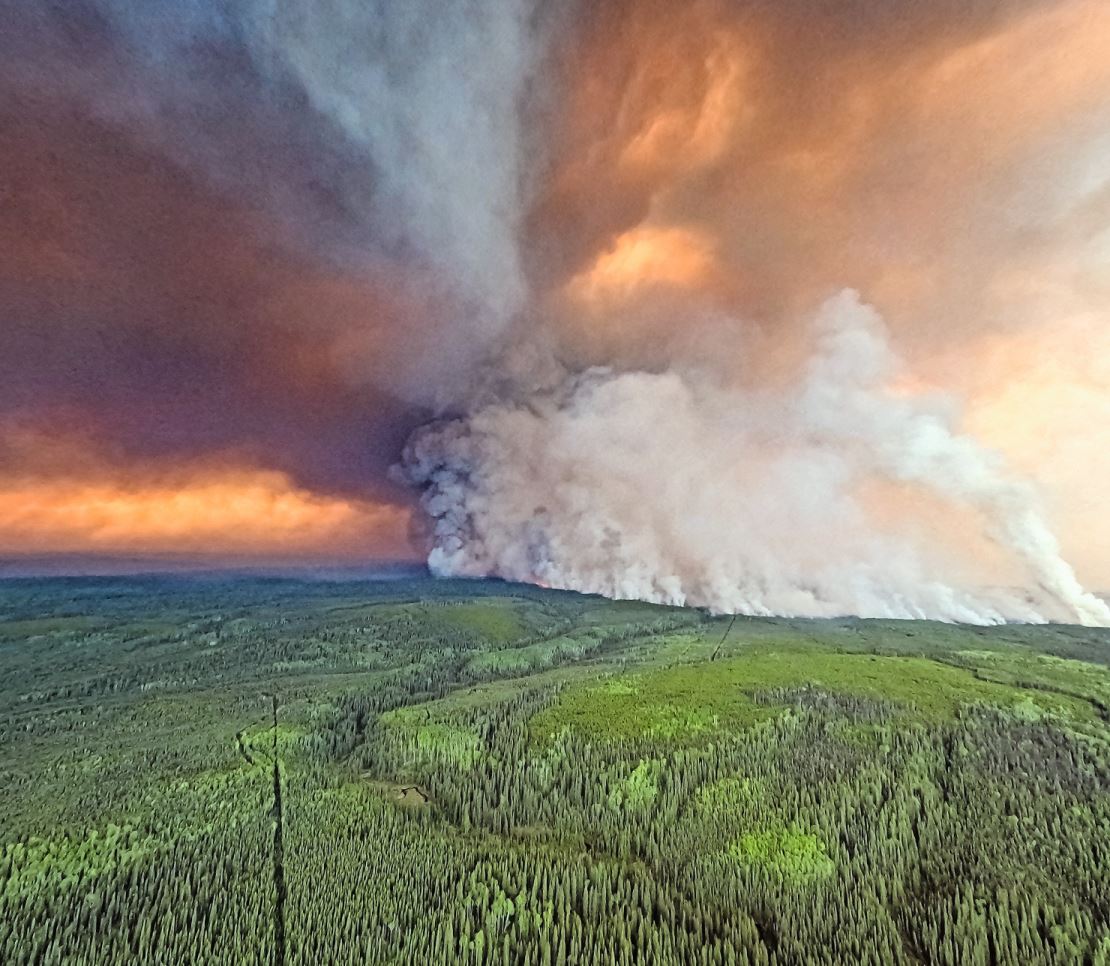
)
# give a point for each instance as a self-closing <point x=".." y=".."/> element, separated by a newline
<point x="247" y="249"/>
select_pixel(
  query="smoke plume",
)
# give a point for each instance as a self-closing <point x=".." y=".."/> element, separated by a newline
<point x="671" y="488"/>
<point x="652" y="468"/>
<point x="593" y="250"/>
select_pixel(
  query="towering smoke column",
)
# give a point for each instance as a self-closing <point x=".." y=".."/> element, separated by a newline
<point x="432" y="93"/>
<point x="692" y="181"/>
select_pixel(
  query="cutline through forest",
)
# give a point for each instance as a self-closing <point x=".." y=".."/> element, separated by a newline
<point x="279" y="851"/>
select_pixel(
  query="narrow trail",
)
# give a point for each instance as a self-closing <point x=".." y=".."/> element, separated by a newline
<point x="247" y="756"/>
<point x="279" y="854"/>
<point x="721" y="642"/>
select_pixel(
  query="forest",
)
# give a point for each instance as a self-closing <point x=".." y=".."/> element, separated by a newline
<point x="206" y="769"/>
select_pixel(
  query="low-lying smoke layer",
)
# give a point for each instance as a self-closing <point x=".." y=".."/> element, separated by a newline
<point x="671" y="488"/>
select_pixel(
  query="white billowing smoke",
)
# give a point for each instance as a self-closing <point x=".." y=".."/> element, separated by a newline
<point x="672" y="488"/>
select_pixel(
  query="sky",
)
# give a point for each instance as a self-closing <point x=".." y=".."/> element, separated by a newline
<point x="247" y="249"/>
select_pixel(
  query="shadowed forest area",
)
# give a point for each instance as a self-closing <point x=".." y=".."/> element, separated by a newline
<point x="209" y="770"/>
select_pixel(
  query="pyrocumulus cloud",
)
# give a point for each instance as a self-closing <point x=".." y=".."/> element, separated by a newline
<point x="669" y="487"/>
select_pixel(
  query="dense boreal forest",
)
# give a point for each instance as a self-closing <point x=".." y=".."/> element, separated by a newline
<point x="203" y="770"/>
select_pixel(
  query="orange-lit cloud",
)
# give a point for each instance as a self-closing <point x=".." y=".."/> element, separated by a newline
<point x="683" y="133"/>
<point x="953" y="165"/>
<point x="894" y="153"/>
<point x="1042" y="397"/>
<point x="60" y="493"/>
<point x="645" y="257"/>
<point x="241" y="514"/>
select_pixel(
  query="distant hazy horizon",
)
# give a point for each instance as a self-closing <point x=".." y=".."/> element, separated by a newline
<point x="112" y="565"/>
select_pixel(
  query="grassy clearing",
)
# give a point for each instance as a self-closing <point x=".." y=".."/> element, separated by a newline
<point x="496" y="620"/>
<point x="687" y="702"/>
<point x="459" y="746"/>
<point x="789" y="852"/>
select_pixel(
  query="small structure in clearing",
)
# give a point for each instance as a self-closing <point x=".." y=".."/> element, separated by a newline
<point x="412" y="795"/>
